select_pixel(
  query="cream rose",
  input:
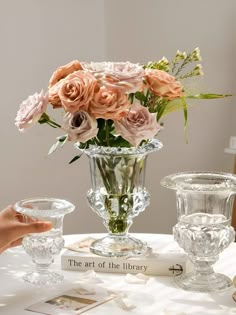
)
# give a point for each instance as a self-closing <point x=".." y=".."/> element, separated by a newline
<point x="127" y="77"/>
<point x="80" y="126"/>
<point x="139" y="124"/>
<point x="31" y="110"/>
<point x="163" y="84"/>
<point x="77" y="90"/>
<point x="64" y="71"/>
<point x="109" y="104"/>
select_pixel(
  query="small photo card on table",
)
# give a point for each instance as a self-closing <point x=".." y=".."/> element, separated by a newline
<point x="71" y="302"/>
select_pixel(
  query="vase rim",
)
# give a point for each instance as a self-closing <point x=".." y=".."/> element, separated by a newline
<point x="201" y="181"/>
<point x="44" y="206"/>
<point x="151" y="146"/>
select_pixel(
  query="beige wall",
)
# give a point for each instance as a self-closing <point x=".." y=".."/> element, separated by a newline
<point x="39" y="35"/>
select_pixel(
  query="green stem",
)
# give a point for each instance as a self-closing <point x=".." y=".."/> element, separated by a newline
<point x="96" y="141"/>
<point x="45" y="119"/>
<point x="146" y="100"/>
<point x="53" y="124"/>
<point x="103" y="173"/>
<point x="184" y="63"/>
<point x="107" y="134"/>
<point x="161" y="110"/>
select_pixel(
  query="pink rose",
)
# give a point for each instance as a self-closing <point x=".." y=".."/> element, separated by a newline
<point x="139" y="124"/>
<point x="163" y="84"/>
<point x="80" y="126"/>
<point x="64" y="71"/>
<point x="31" y="110"/>
<point x="77" y="90"/>
<point x="109" y="104"/>
<point x="125" y="76"/>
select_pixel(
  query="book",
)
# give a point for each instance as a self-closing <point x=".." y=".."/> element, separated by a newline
<point x="171" y="262"/>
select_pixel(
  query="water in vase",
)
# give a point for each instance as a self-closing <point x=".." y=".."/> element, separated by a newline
<point x="204" y="203"/>
<point x="203" y="235"/>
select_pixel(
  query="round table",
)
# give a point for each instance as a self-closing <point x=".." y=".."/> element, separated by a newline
<point x="159" y="295"/>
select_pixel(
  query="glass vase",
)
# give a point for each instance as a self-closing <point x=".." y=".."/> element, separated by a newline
<point x="118" y="195"/>
<point x="204" y="208"/>
<point x="43" y="247"/>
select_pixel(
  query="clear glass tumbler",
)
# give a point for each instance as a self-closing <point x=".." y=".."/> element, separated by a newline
<point x="43" y="247"/>
<point x="204" y="209"/>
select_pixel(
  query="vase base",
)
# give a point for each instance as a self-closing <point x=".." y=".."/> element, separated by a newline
<point x="214" y="282"/>
<point x="43" y="279"/>
<point x="118" y="246"/>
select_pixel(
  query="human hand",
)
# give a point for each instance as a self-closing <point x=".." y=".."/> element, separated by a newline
<point x="14" y="226"/>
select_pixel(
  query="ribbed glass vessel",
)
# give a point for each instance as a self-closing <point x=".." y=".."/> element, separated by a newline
<point x="204" y="209"/>
<point x="43" y="247"/>
<point x="118" y="194"/>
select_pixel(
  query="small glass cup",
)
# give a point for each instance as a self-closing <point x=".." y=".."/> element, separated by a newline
<point x="204" y="208"/>
<point x="43" y="247"/>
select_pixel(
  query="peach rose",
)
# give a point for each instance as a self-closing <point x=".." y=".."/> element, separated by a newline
<point x="53" y="97"/>
<point x="127" y="77"/>
<point x="31" y="110"/>
<point x="109" y="104"/>
<point x="139" y="124"/>
<point x="77" y="90"/>
<point x="64" y="71"/>
<point x="163" y="84"/>
<point x="80" y="126"/>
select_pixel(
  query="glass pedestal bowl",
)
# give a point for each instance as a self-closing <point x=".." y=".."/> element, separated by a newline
<point x="204" y="208"/>
<point x="43" y="247"/>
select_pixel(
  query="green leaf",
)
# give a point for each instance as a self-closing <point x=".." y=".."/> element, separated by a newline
<point x="119" y="142"/>
<point x="105" y="128"/>
<point x="177" y="103"/>
<point x="75" y="158"/>
<point x="62" y="139"/>
<point x="42" y="121"/>
<point x="207" y="96"/>
<point x="45" y="119"/>
<point x="82" y="145"/>
<point x="53" y="147"/>
<point x="161" y="110"/>
<point x="185" y="109"/>
<point x="131" y="98"/>
<point x="140" y="96"/>
<point x="173" y="106"/>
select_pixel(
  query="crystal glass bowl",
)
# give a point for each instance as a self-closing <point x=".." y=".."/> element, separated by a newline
<point x="118" y="194"/>
<point x="204" y="209"/>
<point x="43" y="247"/>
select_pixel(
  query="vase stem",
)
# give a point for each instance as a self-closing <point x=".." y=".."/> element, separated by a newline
<point x="121" y="245"/>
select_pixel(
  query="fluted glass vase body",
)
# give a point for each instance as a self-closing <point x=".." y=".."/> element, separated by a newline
<point x="43" y="247"/>
<point x="204" y="209"/>
<point x="118" y="194"/>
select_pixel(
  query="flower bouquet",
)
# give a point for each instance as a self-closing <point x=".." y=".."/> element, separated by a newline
<point x="112" y="112"/>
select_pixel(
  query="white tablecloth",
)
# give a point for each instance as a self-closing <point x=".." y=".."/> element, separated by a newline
<point x="159" y="295"/>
